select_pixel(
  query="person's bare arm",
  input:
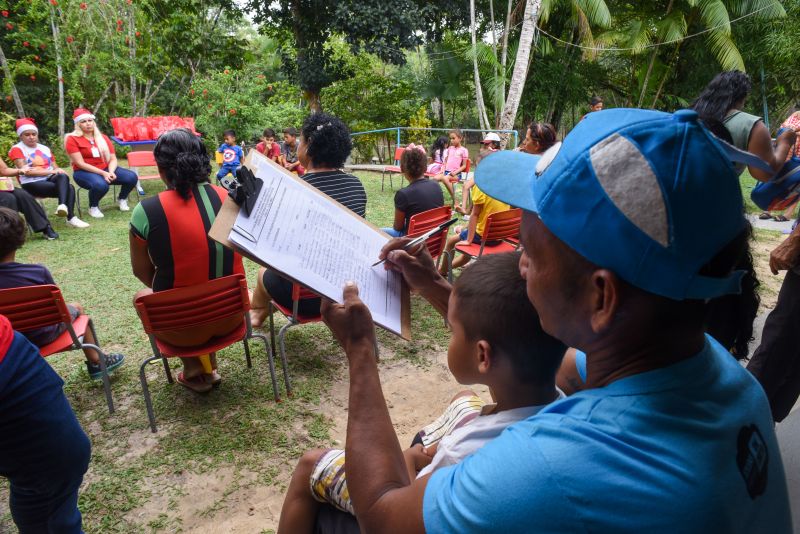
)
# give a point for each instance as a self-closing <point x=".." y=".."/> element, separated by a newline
<point x="472" y="227"/>
<point x="418" y="271"/>
<point x="760" y="144"/>
<point x="143" y="267"/>
<point x="30" y="171"/>
<point x="384" y="498"/>
<point x="399" y="220"/>
<point x="785" y="255"/>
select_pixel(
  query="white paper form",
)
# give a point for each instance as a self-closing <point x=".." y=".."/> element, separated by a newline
<point x="301" y="233"/>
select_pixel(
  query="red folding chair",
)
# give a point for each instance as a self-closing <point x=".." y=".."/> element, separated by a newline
<point x="34" y="307"/>
<point x="200" y="306"/>
<point x="294" y="318"/>
<point x="393" y="169"/>
<point x="500" y="226"/>
<point x="139" y="159"/>
<point x="427" y="220"/>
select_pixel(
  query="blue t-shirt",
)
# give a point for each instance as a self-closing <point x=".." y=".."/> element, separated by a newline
<point x="686" y="448"/>
<point x="232" y="155"/>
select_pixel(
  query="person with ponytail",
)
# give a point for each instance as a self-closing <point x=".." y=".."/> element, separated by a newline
<point x="169" y="241"/>
<point x="94" y="163"/>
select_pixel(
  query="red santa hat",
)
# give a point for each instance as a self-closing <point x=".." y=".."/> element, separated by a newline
<point x="81" y="114"/>
<point x="25" y="125"/>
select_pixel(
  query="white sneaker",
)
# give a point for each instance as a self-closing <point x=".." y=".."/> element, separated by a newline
<point x="61" y="210"/>
<point x="123" y="204"/>
<point x="96" y="213"/>
<point x="77" y="223"/>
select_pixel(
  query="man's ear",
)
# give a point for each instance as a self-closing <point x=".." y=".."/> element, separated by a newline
<point x="484" y="356"/>
<point x="605" y="293"/>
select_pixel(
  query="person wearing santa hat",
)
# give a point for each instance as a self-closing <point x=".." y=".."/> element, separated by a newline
<point x="18" y="199"/>
<point x="43" y="178"/>
<point x="94" y="163"/>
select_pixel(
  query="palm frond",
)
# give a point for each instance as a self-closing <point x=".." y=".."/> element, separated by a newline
<point x="764" y="9"/>
<point x="595" y="11"/>
<point x="714" y="14"/>
<point x="724" y="49"/>
<point x="672" y="27"/>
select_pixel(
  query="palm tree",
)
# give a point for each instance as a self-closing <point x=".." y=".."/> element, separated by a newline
<point x="649" y="25"/>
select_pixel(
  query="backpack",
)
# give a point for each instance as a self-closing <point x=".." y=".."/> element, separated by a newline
<point x="782" y="190"/>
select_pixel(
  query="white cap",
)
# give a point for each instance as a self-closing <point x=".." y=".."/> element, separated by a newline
<point x="491" y="136"/>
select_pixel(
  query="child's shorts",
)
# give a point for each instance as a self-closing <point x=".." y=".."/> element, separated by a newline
<point x="460" y="176"/>
<point x="328" y="482"/>
<point x="477" y="239"/>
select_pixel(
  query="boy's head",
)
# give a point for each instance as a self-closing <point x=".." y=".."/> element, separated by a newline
<point x="290" y="134"/>
<point x="12" y="232"/>
<point x="269" y="136"/>
<point x="494" y="324"/>
<point x="229" y="136"/>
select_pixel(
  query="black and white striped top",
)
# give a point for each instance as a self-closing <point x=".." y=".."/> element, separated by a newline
<point x="342" y="187"/>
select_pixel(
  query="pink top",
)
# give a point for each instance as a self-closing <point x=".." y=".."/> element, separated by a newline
<point x="793" y="122"/>
<point x="455" y="158"/>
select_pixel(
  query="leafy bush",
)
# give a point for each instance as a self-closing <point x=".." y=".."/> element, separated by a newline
<point x="245" y="102"/>
<point x="8" y="135"/>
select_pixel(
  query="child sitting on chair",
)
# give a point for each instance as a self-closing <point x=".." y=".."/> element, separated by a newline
<point x="13" y="275"/>
<point x="455" y="162"/>
<point x="232" y="156"/>
<point x="517" y="361"/>
<point x="489" y="145"/>
<point x="418" y="196"/>
<point x="289" y="158"/>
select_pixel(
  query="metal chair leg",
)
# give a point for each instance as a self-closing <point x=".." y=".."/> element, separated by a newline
<point x="247" y="352"/>
<point x="148" y="403"/>
<point x="284" y="363"/>
<point x="272" y="354"/>
<point x="271" y="361"/>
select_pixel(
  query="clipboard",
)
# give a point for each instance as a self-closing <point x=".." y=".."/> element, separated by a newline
<point x="226" y="218"/>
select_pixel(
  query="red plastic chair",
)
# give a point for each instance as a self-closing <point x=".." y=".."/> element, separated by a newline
<point x="500" y="226"/>
<point x="199" y="306"/>
<point x="142" y="159"/>
<point x="427" y="220"/>
<point x="294" y="318"/>
<point x="455" y="179"/>
<point x="392" y="169"/>
<point x="34" y="307"/>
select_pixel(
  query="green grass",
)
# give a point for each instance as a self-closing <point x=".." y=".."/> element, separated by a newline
<point x="239" y="425"/>
<point x="747" y="183"/>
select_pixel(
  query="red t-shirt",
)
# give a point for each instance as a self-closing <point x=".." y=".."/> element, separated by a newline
<point x="274" y="150"/>
<point x="89" y="151"/>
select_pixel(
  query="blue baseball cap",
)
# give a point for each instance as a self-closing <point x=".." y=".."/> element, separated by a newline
<point x="652" y="196"/>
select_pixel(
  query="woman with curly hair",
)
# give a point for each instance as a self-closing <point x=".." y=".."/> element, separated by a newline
<point x="324" y="146"/>
<point x="169" y="240"/>
<point x="722" y="100"/>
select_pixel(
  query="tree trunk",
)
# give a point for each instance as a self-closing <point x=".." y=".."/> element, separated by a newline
<point x="521" y="63"/>
<point x="96" y="107"/>
<point x="312" y="97"/>
<point x="647" y="74"/>
<point x="132" y="57"/>
<point x="10" y="78"/>
<point x="482" y="117"/>
<point x="667" y="72"/>
<point x="504" y="55"/>
<point x="59" y="71"/>
<point x="494" y="51"/>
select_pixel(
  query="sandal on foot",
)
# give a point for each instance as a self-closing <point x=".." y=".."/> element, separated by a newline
<point x="765" y="215"/>
<point x="212" y="378"/>
<point x="196" y="383"/>
<point x="780" y="218"/>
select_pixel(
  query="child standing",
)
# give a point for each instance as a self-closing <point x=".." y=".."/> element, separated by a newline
<point x="455" y="161"/>
<point x="438" y="150"/>
<point x="516" y="360"/>
<point x="232" y="155"/>
<point x="268" y="146"/>
<point x="289" y="152"/>
<point x="13" y="275"/>
<point x="418" y="196"/>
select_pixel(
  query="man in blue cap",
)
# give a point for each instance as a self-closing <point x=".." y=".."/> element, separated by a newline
<point x="672" y="434"/>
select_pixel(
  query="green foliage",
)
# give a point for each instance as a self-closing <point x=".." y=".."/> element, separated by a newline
<point x="419" y="120"/>
<point x="8" y="135"/>
<point x="243" y="101"/>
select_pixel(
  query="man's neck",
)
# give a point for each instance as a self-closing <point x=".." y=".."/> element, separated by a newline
<point x="8" y="258"/>
<point x="610" y="361"/>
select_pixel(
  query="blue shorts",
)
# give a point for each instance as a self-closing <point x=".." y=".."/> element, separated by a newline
<point x="476" y="240"/>
<point x="447" y="173"/>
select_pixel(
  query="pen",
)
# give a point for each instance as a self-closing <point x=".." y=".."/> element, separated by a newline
<point x="421" y="239"/>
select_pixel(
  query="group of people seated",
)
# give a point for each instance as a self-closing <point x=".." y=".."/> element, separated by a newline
<point x="666" y="430"/>
<point x="94" y="168"/>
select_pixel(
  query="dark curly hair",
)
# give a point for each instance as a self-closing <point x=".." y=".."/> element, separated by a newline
<point x="184" y="160"/>
<point x="12" y="231"/>
<point x="721" y="94"/>
<point x="327" y="140"/>
<point x="543" y="133"/>
<point x="413" y="163"/>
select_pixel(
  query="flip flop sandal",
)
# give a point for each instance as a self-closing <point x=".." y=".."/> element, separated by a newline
<point x="780" y="218"/>
<point x="764" y="216"/>
<point x="196" y="384"/>
<point x="212" y="378"/>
